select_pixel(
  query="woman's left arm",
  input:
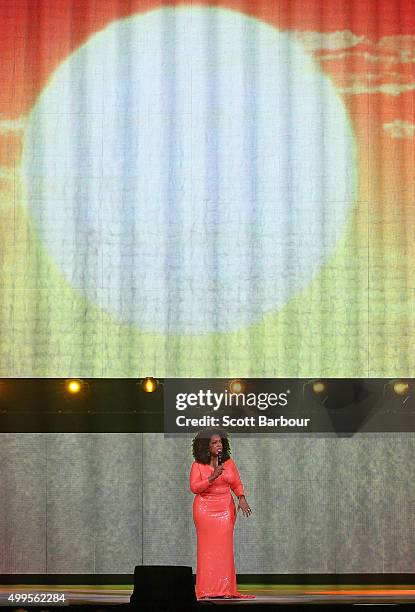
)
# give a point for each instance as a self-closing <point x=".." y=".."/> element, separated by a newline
<point x="244" y="506"/>
<point x="237" y="487"/>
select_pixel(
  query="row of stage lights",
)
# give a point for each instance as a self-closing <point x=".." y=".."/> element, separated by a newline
<point x="400" y="387"/>
<point x="75" y="386"/>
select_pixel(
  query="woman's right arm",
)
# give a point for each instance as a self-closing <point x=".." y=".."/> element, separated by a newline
<point x="197" y="483"/>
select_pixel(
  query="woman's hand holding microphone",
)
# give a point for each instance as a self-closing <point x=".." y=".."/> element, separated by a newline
<point x="216" y="473"/>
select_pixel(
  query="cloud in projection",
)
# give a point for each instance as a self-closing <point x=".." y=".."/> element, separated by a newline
<point x="400" y="129"/>
<point x="189" y="170"/>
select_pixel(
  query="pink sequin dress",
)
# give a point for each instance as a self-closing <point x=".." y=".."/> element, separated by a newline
<point x="214" y="515"/>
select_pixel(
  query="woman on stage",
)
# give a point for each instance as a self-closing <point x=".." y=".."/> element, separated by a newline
<point x="212" y="477"/>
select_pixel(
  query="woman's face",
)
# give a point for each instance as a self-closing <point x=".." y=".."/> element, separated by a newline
<point x="215" y="445"/>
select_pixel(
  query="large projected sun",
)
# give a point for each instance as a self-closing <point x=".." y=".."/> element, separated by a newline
<point x="189" y="170"/>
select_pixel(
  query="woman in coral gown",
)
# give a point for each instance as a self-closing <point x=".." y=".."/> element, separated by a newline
<point x="212" y="477"/>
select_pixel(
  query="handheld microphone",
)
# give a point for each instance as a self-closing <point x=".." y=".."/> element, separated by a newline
<point x="219" y="458"/>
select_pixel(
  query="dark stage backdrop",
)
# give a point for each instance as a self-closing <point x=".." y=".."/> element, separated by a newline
<point x="103" y="503"/>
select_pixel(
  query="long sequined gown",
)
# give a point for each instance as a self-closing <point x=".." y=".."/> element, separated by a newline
<point x="214" y="515"/>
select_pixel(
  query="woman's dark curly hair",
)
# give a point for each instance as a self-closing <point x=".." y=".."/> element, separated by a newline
<point x="200" y="445"/>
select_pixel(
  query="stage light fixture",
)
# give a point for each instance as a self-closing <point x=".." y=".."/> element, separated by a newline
<point x="397" y="393"/>
<point x="320" y="387"/>
<point x="149" y="384"/>
<point x="315" y="393"/>
<point x="74" y="386"/>
<point x="237" y="386"/>
<point x="401" y="387"/>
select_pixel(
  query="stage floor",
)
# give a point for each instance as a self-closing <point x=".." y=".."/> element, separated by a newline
<point x="264" y="594"/>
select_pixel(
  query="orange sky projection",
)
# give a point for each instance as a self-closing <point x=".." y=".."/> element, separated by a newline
<point x="367" y="47"/>
<point x="36" y="35"/>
